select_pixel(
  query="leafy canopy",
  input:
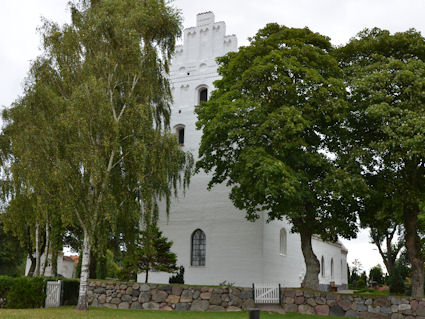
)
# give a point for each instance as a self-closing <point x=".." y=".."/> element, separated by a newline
<point x="270" y="125"/>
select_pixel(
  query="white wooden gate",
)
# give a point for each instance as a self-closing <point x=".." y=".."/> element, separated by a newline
<point x="267" y="293"/>
<point x="53" y="294"/>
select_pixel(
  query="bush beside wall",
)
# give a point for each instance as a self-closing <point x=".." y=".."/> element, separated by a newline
<point x="71" y="289"/>
<point x="22" y="292"/>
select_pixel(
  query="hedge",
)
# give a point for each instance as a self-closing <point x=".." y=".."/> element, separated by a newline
<point x="71" y="289"/>
<point x="22" y="292"/>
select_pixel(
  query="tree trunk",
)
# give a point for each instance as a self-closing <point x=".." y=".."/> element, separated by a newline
<point x="54" y="262"/>
<point x="311" y="279"/>
<point x="85" y="272"/>
<point x="37" y="250"/>
<point x="147" y="274"/>
<point x="46" y="249"/>
<point x="30" y="253"/>
<point x="32" y="267"/>
<point x="414" y="251"/>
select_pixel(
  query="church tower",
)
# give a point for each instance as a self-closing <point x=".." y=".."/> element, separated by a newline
<point x="193" y="72"/>
<point x="211" y="238"/>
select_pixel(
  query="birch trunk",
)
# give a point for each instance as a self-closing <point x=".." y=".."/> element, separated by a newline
<point x="311" y="278"/>
<point x="32" y="267"/>
<point x="85" y="273"/>
<point x="37" y="250"/>
<point x="46" y="250"/>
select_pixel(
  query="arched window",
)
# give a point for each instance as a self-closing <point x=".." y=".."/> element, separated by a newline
<point x="180" y="133"/>
<point x="203" y="95"/>
<point x="322" y="263"/>
<point x="332" y="268"/>
<point x="198" y="251"/>
<point x="283" y="242"/>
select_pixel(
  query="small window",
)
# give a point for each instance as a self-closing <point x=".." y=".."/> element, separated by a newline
<point x="283" y="242"/>
<point x="198" y="248"/>
<point x="203" y="95"/>
<point x="180" y="133"/>
<point x="332" y="268"/>
<point x="322" y="263"/>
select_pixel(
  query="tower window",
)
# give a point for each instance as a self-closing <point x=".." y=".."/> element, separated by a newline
<point x="332" y="268"/>
<point x="198" y="248"/>
<point x="180" y="133"/>
<point x="323" y="267"/>
<point x="203" y="95"/>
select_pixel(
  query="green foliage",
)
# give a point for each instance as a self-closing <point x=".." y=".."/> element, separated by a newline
<point x="26" y="293"/>
<point x="384" y="145"/>
<point x="361" y="284"/>
<point x="154" y="252"/>
<point x="276" y="109"/>
<point x="101" y="267"/>
<point x="129" y="269"/>
<point x="12" y="255"/>
<point x="396" y="282"/>
<point x="90" y="137"/>
<point x="5" y="285"/>
<point x="376" y="275"/>
<point x="70" y="291"/>
<point x="178" y="278"/>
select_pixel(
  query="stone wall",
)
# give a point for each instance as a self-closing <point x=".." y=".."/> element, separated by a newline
<point x="321" y="303"/>
<point x="169" y="297"/>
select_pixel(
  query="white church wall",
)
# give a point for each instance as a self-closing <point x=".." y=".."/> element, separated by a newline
<point x="329" y="252"/>
<point x="237" y="251"/>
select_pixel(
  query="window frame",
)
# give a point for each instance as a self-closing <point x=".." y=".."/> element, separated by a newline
<point x="178" y="128"/>
<point x="202" y="251"/>
<point x="283" y="242"/>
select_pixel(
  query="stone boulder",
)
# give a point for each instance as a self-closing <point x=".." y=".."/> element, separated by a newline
<point x="151" y="306"/>
<point x="199" y="305"/>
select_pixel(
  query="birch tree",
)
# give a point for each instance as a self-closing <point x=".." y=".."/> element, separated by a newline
<point x="103" y="81"/>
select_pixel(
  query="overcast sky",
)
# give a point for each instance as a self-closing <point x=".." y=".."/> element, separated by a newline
<point x="338" y="19"/>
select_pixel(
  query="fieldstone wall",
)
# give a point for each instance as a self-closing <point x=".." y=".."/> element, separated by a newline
<point x="168" y="297"/>
<point x="332" y="304"/>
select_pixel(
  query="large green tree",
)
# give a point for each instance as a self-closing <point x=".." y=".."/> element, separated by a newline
<point x="269" y="132"/>
<point x="103" y="113"/>
<point x="385" y="74"/>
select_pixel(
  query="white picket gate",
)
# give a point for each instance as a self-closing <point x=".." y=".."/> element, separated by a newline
<point x="267" y="293"/>
<point x="53" y="294"/>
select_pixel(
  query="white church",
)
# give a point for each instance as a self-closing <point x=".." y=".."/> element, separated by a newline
<point x="212" y="239"/>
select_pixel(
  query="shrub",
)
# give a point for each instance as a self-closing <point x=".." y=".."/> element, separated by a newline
<point x="178" y="278"/>
<point x="396" y="282"/>
<point x="361" y="284"/>
<point x="26" y="293"/>
<point x="71" y="289"/>
<point x="5" y="285"/>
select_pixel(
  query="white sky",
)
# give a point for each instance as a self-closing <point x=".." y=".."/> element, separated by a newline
<point x="338" y="19"/>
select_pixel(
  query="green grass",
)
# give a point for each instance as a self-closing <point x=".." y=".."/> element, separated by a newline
<point x="101" y="313"/>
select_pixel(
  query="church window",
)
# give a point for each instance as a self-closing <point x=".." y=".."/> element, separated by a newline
<point x="283" y="242"/>
<point x="322" y="264"/>
<point x="332" y="267"/>
<point x="180" y="133"/>
<point x="203" y="95"/>
<point x="198" y="251"/>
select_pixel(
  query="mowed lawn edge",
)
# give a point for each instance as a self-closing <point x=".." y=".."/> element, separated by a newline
<point x="69" y="312"/>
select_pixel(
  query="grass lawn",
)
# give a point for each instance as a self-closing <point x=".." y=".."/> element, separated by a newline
<point x="68" y="312"/>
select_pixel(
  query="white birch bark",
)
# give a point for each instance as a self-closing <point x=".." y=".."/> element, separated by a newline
<point x="46" y="249"/>
<point x="85" y="272"/>
<point x="37" y="250"/>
